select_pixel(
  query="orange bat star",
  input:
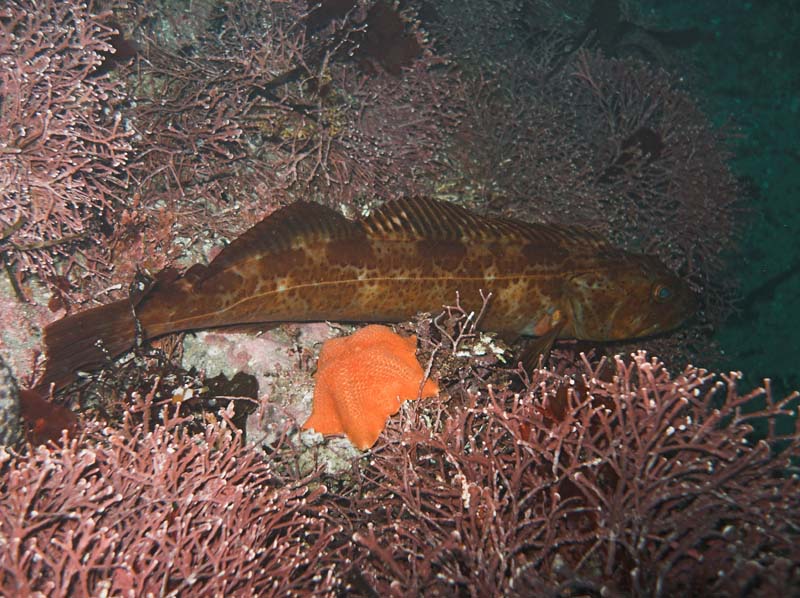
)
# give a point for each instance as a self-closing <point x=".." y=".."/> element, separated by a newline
<point x="363" y="379"/>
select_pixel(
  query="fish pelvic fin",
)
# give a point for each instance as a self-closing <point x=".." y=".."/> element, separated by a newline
<point x="85" y="341"/>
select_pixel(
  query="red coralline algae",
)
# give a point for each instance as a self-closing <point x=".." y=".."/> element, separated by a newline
<point x="63" y="141"/>
<point x="619" y="480"/>
<point x="612" y="477"/>
<point x="134" y="512"/>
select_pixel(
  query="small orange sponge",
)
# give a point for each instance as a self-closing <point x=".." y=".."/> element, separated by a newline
<point x="362" y="379"/>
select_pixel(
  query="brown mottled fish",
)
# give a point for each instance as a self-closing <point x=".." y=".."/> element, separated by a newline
<point x="306" y="262"/>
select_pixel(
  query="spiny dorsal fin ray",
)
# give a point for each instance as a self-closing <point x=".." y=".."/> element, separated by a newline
<point x="298" y="223"/>
<point x="415" y="218"/>
<point x="409" y="219"/>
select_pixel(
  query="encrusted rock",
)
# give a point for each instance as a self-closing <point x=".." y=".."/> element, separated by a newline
<point x="10" y="423"/>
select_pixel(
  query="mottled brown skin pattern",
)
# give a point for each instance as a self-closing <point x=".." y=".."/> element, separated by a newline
<point x="308" y="263"/>
<point x="358" y="281"/>
<point x="606" y="294"/>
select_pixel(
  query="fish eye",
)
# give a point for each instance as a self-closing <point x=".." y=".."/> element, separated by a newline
<point x="662" y="293"/>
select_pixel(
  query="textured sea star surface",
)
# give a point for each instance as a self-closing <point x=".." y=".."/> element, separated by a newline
<point x="361" y="380"/>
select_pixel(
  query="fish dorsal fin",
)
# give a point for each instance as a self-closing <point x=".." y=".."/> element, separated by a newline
<point x="415" y="218"/>
<point x="406" y="219"/>
<point x="290" y="227"/>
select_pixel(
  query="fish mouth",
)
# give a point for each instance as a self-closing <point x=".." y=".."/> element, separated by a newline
<point x="678" y="319"/>
<point x="685" y="311"/>
<point x="653" y="330"/>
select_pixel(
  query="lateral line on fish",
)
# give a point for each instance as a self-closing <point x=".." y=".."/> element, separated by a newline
<point x="182" y="321"/>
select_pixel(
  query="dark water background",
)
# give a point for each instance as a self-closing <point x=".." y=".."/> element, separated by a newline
<point x="748" y="75"/>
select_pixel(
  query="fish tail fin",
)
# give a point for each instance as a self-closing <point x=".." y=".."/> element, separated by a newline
<point x="85" y="341"/>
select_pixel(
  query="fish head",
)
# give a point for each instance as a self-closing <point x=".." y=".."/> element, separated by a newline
<point x="630" y="296"/>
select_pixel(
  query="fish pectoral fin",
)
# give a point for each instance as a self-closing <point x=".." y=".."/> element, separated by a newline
<point x="536" y="350"/>
<point x="509" y="337"/>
